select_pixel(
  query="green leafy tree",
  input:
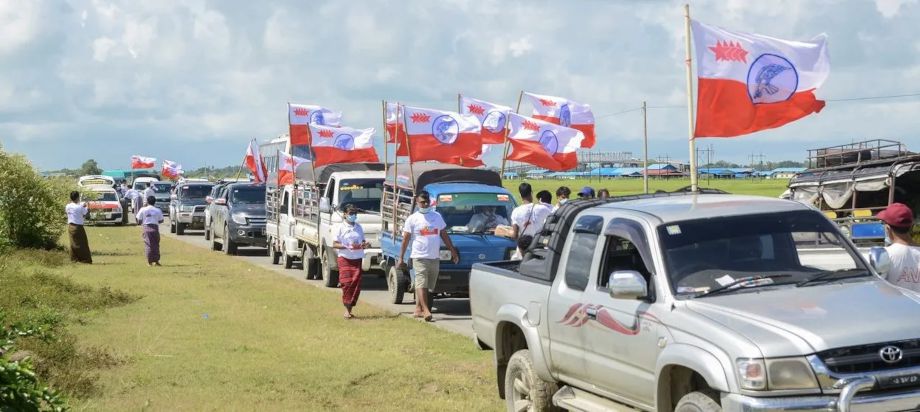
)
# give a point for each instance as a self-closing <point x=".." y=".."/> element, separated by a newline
<point x="90" y="167"/>
<point x="31" y="207"/>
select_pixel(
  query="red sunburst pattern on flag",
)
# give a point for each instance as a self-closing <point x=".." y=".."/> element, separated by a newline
<point x="477" y="109"/>
<point x="300" y="111"/>
<point x="547" y="103"/>
<point x="326" y="133"/>
<point x="420" y="118"/>
<point x="729" y="51"/>
<point x="530" y="125"/>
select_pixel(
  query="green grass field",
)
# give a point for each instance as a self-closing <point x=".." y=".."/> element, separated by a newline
<point x="209" y="332"/>
<point x="765" y="187"/>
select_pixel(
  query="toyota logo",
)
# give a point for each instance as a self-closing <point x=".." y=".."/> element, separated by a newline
<point x="891" y="354"/>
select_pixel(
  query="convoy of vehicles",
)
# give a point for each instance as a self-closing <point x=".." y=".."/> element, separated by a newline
<point x="455" y="192"/>
<point x="302" y="215"/>
<point x="851" y="183"/>
<point x="697" y="302"/>
<point x="238" y="217"/>
<point x="187" y="206"/>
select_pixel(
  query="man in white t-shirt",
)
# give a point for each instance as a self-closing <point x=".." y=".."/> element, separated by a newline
<point x="79" y="244"/>
<point x="149" y="191"/>
<point x="528" y="218"/>
<point x="425" y="227"/>
<point x="904" y="255"/>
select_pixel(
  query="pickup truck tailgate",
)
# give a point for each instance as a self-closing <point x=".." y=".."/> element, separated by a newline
<point x="496" y="288"/>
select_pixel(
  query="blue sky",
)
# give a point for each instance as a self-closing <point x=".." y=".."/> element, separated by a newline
<point x="192" y="81"/>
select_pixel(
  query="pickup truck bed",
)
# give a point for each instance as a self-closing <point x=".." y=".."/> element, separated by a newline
<point x="489" y="283"/>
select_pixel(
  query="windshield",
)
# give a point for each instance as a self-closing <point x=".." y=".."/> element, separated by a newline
<point x="702" y="255"/>
<point x="104" y="197"/>
<point x="194" y="191"/>
<point x="251" y="194"/>
<point x="474" y="212"/>
<point x="363" y="193"/>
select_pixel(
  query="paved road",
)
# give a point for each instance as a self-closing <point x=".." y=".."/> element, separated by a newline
<point x="450" y="314"/>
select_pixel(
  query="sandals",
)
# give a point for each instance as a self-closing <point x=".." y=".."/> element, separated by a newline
<point x="349" y="316"/>
<point x="429" y="318"/>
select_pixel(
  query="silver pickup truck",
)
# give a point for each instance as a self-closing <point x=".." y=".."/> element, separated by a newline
<point x="697" y="302"/>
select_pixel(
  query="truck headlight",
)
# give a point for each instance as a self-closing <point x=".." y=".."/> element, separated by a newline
<point x="752" y="373"/>
<point x="238" y="218"/>
<point x="790" y="373"/>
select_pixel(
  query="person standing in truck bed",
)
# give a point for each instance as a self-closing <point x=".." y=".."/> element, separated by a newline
<point x="904" y="255"/>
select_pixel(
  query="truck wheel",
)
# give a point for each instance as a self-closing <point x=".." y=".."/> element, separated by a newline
<point x="524" y="390"/>
<point x="286" y="261"/>
<point x="172" y="226"/>
<point x="330" y="276"/>
<point x="697" y="402"/>
<point x="309" y="263"/>
<point x="214" y="245"/>
<point x="180" y="228"/>
<point x="395" y="285"/>
<point x="273" y="252"/>
<point x="229" y="246"/>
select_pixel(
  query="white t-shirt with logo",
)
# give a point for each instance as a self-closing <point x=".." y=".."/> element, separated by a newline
<point x="149" y="215"/>
<point x="530" y="218"/>
<point x="905" y="266"/>
<point x="426" y="234"/>
<point x="350" y="236"/>
<point x="75" y="213"/>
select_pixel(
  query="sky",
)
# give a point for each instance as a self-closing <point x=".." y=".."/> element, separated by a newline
<point x="193" y="80"/>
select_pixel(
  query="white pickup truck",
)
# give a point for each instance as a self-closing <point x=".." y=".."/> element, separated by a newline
<point x="302" y="215"/>
<point x="697" y="302"/>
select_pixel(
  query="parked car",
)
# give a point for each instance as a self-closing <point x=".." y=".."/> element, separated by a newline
<point x="697" y="302"/>
<point x="216" y="192"/>
<point x="186" y="209"/>
<point x="238" y="218"/>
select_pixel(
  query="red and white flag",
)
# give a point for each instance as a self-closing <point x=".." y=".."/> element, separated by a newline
<point x="342" y="145"/>
<point x="255" y="163"/>
<point x="542" y="143"/>
<point x="442" y="136"/>
<point x="492" y="117"/>
<point x="396" y="128"/>
<point x="565" y="112"/>
<point x="300" y="116"/>
<point x="171" y="169"/>
<point x="287" y="166"/>
<point x="141" y="162"/>
<point x="750" y="82"/>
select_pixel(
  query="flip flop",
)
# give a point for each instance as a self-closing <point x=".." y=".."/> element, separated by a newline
<point x="429" y="318"/>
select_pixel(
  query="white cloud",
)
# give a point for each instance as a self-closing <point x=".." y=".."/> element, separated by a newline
<point x="19" y="24"/>
<point x="101" y="48"/>
<point x="520" y="46"/>
<point x="891" y="8"/>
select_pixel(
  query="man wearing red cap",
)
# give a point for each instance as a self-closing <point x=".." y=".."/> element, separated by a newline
<point x="905" y="257"/>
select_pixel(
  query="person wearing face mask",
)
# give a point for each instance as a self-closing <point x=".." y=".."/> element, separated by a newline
<point x="349" y="244"/>
<point x="904" y="254"/>
<point x="425" y="228"/>
<point x="485" y="220"/>
<point x="562" y="193"/>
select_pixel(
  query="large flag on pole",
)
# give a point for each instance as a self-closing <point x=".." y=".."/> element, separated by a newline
<point x="750" y="82"/>
<point x="492" y="117"/>
<point x="171" y="169"/>
<point x="141" y="162"/>
<point x="543" y="144"/>
<point x="342" y="145"/>
<point x="447" y="137"/>
<point x="255" y="163"/>
<point x="396" y="126"/>
<point x="287" y="166"/>
<point x="300" y="116"/>
<point x="565" y="112"/>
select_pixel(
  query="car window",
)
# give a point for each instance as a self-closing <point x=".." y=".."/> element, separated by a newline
<point x="194" y="191"/>
<point x="584" y="236"/>
<point x="627" y="248"/>
<point x="248" y="194"/>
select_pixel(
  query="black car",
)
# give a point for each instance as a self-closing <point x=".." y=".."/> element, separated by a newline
<point x="238" y="217"/>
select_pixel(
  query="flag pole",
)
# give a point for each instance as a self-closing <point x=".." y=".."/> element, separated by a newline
<point x="386" y="144"/>
<point x="507" y="128"/>
<point x="693" y="176"/>
<point x="312" y="157"/>
<point x="409" y="151"/>
<point x="240" y="170"/>
<point x="395" y="171"/>
<point x="645" y="143"/>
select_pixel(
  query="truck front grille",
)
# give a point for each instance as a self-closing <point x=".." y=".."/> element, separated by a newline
<point x="867" y="358"/>
<point x="256" y="220"/>
<point x="200" y="209"/>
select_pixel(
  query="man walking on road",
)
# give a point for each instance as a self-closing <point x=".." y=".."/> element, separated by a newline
<point x="425" y="227"/>
<point x="904" y="255"/>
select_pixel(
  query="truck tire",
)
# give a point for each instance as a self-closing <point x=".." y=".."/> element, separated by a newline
<point x="330" y="276"/>
<point x="207" y="232"/>
<point x="524" y="390"/>
<point x="395" y="285"/>
<point x="172" y="226"/>
<point x="309" y="263"/>
<point x="273" y="251"/>
<point x="229" y="246"/>
<point x="180" y="228"/>
<point x="697" y="402"/>
<point x="214" y="245"/>
<point x="286" y="261"/>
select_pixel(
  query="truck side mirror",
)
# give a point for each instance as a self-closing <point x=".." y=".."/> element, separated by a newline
<point x="627" y="284"/>
<point x="324" y="205"/>
<point x="879" y="260"/>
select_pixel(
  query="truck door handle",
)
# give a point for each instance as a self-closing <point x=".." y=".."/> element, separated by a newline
<point x="592" y="313"/>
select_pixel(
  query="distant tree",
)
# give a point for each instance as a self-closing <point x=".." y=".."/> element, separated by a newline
<point x="90" y="167"/>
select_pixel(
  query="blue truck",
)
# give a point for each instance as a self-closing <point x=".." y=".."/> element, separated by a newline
<point x="457" y="193"/>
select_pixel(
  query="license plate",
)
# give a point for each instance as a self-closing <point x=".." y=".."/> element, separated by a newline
<point x="901" y="380"/>
<point x="197" y="219"/>
<point x="444" y="254"/>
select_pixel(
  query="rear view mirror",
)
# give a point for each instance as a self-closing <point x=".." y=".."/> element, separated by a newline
<point x="627" y="284"/>
<point x="324" y="205"/>
<point x="879" y="260"/>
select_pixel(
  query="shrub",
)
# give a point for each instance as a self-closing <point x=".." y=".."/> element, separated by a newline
<point x="20" y="388"/>
<point x="31" y="207"/>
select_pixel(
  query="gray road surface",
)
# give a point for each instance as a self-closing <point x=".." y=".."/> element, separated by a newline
<point x="450" y="314"/>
